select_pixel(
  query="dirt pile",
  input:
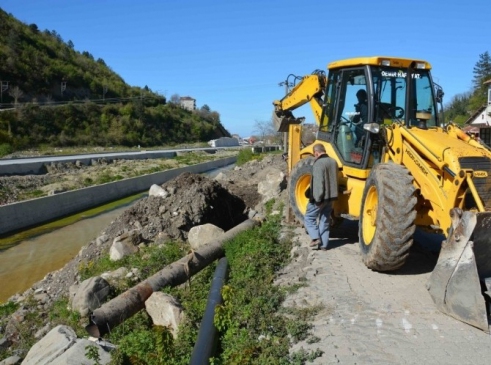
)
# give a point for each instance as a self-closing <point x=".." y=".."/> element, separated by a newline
<point x="192" y="200"/>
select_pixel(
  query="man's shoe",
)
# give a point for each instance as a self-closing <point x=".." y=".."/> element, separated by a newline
<point x="323" y="248"/>
<point x="315" y="243"/>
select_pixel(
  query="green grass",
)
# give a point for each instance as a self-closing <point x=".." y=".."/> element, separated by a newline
<point x="8" y="308"/>
<point x="5" y="149"/>
<point x="148" y="260"/>
<point x="246" y="155"/>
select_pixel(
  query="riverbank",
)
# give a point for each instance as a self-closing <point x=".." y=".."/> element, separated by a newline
<point x="192" y="201"/>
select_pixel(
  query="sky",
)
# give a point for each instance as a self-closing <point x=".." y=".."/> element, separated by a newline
<point x="232" y="55"/>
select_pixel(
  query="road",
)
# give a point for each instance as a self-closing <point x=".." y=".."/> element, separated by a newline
<point x="377" y="318"/>
<point x="35" y="165"/>
<point x="48" y="159"/>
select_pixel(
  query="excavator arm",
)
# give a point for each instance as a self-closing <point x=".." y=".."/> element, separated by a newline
<point x="309" y="90"/>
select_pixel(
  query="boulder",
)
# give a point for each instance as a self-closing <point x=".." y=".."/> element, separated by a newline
<point x="90" y="294"/>
<point x="156" y="190"/>
<point x="202" y="234"/>
<point x="115" y="275"/>
<point x="61" y="347"/>
<point x="124" y="245"/>
<point x="12" y="360"/>
<point x="272" y="185"/>
<point x="165" y="311"/>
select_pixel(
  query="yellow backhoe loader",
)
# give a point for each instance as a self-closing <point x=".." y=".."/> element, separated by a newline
<point x="400" y="167"/>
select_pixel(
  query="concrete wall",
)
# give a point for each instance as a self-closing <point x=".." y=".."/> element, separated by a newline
<point x="17" y="216"/>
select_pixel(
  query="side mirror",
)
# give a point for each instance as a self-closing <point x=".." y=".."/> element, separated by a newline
<point x="439" y="95"/>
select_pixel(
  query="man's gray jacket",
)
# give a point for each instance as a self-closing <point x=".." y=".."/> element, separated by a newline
<point x="324" y="182"/>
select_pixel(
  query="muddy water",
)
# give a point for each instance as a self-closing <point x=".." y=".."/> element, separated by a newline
<point x="31" y="259"/>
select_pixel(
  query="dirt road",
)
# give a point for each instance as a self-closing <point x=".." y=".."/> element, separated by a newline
<point x="377" y="318"/>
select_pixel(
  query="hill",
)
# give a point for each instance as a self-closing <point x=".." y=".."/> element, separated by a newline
<point x="55" y="95"/>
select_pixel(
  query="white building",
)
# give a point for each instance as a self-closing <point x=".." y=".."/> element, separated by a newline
<point x="479" y="123"/>
<point x="187" y="102"/>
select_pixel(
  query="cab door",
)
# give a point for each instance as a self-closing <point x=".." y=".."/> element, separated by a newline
<point x="351" y="112"/>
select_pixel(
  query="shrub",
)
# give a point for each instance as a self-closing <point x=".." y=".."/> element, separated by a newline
<point x="5" y="149"/>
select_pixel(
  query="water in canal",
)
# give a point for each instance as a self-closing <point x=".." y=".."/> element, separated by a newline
<point x="30" y="260"/>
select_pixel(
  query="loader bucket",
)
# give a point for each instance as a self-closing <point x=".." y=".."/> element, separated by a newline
<point x="283" y="119"/>
<point x="457" y="282"/>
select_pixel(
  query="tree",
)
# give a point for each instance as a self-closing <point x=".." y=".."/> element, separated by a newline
<point x="175" y="99"/>
<point x="34" y="28"/>
<point x="482" y="73"/>
<point x="265" y="129"/>
<point x="482" y="70"/>
<point x="16" y="93"/>
<point x="457" y="110"/>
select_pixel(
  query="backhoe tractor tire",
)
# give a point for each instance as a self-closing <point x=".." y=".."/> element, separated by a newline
<point x="386" y="226"/>
<point x="299" y="183"/>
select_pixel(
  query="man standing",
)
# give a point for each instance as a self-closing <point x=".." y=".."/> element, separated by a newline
<point x="323" y="190"/>
<point x="361" y="118"/>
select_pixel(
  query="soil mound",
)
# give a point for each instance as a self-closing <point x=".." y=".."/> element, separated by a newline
<point x="192" y="200"/>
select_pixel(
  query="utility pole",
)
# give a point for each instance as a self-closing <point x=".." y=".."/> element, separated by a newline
<point x="4" y="86"/>
<point x="63" y="87"/>
<point x="104" y="91"/>
<point x="287" y="85"/>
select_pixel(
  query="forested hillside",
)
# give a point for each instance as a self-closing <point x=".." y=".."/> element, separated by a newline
<point x="462" y="106"/>
<point x="55" y="95"/>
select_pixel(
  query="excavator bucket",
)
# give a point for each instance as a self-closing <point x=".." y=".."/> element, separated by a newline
<point x="283" y="119"/>
<point x="460" y="283"/>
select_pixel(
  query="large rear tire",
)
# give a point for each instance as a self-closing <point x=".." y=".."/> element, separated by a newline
<point x="299" y="183"/>
<point x="386" y="226"/>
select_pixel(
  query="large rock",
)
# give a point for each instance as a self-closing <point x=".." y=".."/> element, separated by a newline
<point x="272" y="185"/>
<point x="115" y="275"/>
<point x="124" y="245"/>
<point x="12" y="360"/>
<point x="202" y="234"/>
<point x="89" y="295"/>
<point x="4" y="343"/>
<point x="156" y="190"/>
<point x="165" y="311"/>
<point x="12" y="332"/>
<point x="61" y="347"/>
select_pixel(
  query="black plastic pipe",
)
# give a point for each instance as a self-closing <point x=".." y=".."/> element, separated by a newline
<point x="207" y="340"/>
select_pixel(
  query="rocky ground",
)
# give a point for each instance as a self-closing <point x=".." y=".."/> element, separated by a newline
<point x="189" y="200"/>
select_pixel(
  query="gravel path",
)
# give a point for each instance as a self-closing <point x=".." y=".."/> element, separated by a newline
<point x="376" y="318"/>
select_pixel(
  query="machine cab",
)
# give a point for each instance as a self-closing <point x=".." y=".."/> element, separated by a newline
<point x="375" y="90"/>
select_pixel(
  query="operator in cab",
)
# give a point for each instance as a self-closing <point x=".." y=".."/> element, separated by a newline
<point x="361" y="116"/>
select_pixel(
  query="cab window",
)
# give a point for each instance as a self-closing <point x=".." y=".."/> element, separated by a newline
<point x="352" y="114"/>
